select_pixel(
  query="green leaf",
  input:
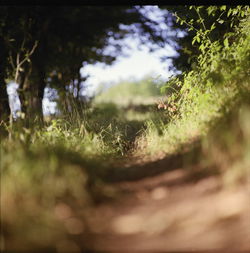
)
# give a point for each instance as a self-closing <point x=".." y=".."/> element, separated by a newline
<point x="220" y="21"/>
<point x="223" y="7"/>
<point x="229" y="12"/>
<point x="202" y="48"/>
<point x="209" y="10"/>
<point x="226" y="44"/>
<point x="213" y="27"/>
<point x="235" y="12"/>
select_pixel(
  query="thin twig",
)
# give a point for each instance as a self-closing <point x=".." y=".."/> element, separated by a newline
<point x="26" y="58"/>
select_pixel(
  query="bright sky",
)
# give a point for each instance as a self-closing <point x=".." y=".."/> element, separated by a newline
<point x="139" y="64"/>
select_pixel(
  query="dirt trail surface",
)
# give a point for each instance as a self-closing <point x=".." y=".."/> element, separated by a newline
<point x="163" y="207"/>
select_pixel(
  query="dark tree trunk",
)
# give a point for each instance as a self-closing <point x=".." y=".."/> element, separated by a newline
<point x="24" y="88"/>
<point x="36" y="107"/>
<point x="32" y="84"/>
<point x="4" y="99"/>
<point x="31" y="93"/>
<point x="38" y="78"/>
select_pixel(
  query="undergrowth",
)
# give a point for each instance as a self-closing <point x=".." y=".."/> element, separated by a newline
<point x="206" y="96"/>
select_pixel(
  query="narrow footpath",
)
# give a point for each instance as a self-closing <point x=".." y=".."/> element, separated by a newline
<point x="162" y="206"/>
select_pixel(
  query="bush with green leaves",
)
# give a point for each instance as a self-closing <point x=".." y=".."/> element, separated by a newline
<point x="217" y="84"/>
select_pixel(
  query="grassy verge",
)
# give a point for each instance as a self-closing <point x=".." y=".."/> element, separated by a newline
<point x="51" y="174"/>
<point x="212" y="105"/>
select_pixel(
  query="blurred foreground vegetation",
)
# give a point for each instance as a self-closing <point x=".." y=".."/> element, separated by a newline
<point x="53" y="173"/>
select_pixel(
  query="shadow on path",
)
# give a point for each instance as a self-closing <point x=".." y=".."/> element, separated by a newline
<point x="188" y="159"/>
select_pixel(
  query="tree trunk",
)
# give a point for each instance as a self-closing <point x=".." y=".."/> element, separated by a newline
<point x="4" y="98"/>
<point x="24" y="88"/>
<point x="38" y="78"/>
<point x="25" y="93"/>
<point x="31" y="91"/>
<point x="36" y="107"/>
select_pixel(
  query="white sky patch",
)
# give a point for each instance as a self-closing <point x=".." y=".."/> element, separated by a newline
<point x="49" y="107"/>
<point x="139" y="64"/>
<point x="13" y="98"/>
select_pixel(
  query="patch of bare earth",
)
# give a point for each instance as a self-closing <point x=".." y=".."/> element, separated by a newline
<point x="161" y="208"/>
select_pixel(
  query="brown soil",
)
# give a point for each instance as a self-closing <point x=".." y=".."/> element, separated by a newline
<point x="164" y="205"/>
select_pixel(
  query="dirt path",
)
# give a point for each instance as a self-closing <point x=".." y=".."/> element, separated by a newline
<point x="162" y="207"/>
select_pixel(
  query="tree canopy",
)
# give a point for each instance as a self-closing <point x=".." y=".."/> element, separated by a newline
<point x="215" y="20"/>
<point x="44" y="45"/>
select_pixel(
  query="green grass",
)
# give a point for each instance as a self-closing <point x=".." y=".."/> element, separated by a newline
<point x="62" y="163"/>
<point x="143" y="92"/>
